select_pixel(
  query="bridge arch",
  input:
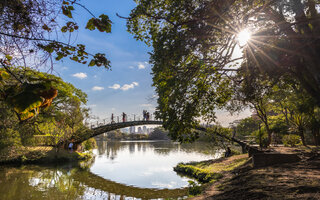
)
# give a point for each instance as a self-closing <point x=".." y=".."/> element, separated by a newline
<point x="113" y="126"/>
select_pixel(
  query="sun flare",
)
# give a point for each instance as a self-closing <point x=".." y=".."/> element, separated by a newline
<point x="243" y="37"/>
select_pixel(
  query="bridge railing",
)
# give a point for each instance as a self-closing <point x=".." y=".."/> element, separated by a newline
<point x="119" y="119"/>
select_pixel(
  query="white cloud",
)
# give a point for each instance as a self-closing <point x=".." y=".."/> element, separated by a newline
<point x="115" y="86"/>
<point x="146" y="105"/>
<point x="129" y="86"/>
<point x="80" y="75"/>
<point x="97" y="88"/>
<point x="131" y="67"/>
<point x="141" y="66"/>
<point x="125" y="87"/>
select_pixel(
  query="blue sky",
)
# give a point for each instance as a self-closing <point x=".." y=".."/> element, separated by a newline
<point x="127" y="87"/>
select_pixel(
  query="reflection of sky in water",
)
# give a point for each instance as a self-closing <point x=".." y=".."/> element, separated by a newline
<point x="146" y="165"/>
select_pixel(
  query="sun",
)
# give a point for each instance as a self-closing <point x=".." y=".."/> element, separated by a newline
<point x="243" y="37"/>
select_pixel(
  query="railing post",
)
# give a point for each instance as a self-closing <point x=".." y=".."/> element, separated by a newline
<point x="134" y="117"/>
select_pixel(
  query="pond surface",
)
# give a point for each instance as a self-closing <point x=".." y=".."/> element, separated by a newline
<point x="121" y="170"/>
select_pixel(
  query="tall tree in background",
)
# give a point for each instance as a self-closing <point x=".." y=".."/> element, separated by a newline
<point x="195" y="46"/>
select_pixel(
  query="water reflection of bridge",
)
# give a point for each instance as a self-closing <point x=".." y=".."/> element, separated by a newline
<point x="124" y="191"/>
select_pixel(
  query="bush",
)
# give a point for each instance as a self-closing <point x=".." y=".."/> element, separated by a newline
<point x="291" y="140"/>
<point x="89" y="144"/>
<point x="8" y="138"/>
<point x="194" y="188"/>
<point x="235" y="152"/>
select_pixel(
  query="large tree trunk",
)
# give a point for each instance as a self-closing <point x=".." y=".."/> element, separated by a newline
<point x="301" y="133"/>
<point x="316" y="136"/>
<point x="269" y="133"/>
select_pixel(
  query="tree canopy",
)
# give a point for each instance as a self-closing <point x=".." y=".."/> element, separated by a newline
<point x="197" y="57"/>
<point x="60" y="121"/>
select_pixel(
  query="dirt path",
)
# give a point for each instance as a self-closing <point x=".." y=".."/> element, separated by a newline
<point x="293" y="181"/>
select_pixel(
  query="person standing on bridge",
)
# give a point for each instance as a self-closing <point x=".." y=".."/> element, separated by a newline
<point x="148" y="116"/>
<point x="123" y="117"/>
<point x="144" y="112"/>
<point x="112" y="118"/>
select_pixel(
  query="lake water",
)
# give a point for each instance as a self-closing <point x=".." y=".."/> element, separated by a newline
<point x="120" y="170"/>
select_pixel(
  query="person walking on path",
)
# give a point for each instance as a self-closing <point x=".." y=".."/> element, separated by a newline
<point x="228" y="152"/>
<point x="70" y="146"/>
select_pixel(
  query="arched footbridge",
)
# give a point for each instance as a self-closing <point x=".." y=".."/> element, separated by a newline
<point x="103" y="128"/>
<point x="95" y="131"/>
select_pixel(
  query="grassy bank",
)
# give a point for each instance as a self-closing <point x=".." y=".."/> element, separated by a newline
<point x="211" y="170"/>
<point x="26" y="155"/>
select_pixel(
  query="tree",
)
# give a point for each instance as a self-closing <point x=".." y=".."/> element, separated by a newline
<point x="194" y="51"/>
<point x="246" y="126"/>
<point x="61" y="121"/>
<point x="33" y="28"/>
<point x="33" y="33"/>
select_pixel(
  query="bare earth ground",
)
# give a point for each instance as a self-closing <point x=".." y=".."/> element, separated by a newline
<point x="292" y="181"/>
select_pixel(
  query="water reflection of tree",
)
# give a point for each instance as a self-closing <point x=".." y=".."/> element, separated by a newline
<point x="34" y="182"/>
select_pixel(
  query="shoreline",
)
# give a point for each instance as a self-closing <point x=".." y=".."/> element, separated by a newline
<point x="299" y="180"/>
<point x="40" y="155"/>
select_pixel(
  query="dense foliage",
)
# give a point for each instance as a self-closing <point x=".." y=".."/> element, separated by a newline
<point x="59" y="122"/>
<point x="197" y="64"/>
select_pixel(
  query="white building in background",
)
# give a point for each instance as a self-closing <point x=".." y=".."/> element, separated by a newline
<point x="144" y="130"/>
<point x="125" y="130"/>
<point x="132" y="129"/>
<point x="140" y="130"/>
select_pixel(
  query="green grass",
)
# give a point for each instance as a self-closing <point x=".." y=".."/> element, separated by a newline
<point x="202" y="175"/>
<point x="211" y="170"/>
<point x="219" y="167"/>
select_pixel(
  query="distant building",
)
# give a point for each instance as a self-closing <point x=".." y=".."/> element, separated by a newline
<point x="125" y="130"/>
<point x="132" y="129"/>
<point x="144" y="130"/>
<point x="140" y="130"/>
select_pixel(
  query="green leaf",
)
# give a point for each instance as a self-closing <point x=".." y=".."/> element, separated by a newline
<point x="92" y="63"/>
<point x="8" y="57"/>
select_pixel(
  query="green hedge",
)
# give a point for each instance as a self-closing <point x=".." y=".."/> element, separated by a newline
<point x="291" y="140"/>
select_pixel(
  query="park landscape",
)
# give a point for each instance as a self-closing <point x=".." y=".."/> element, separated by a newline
<point x="232" y="87"/>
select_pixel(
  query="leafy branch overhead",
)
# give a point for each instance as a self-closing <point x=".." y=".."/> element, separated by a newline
<point x="34" y="36"/>
<point x="26" y="98"/>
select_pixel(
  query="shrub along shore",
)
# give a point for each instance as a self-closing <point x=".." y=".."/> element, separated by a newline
<point x="40" y="155"/>
<point x="209" y="171"/>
